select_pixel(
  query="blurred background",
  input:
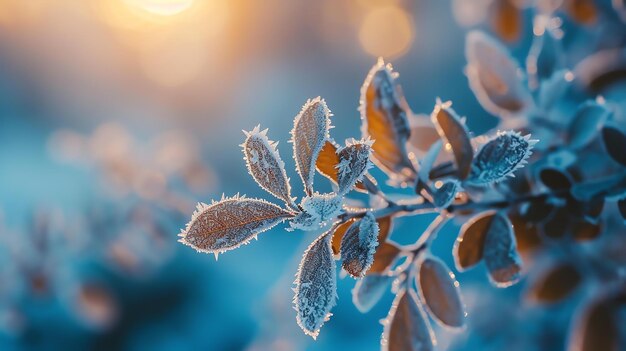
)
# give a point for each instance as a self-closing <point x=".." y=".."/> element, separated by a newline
<point x="118" y="116"/>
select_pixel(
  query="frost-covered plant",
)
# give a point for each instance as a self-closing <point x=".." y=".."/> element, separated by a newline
<point x="557" y="200"/>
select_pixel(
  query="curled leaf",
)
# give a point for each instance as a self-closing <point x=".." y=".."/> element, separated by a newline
<point x="452" y="129"/>
<point x="265" y="165"/>
<point x="556" y="284"/>
<point x="229" y="223"/>
<point x="444" y="195"/>
<point x="368" y="291"/>
<point x="359" y="245"/>
<point x="468" y="249"/>
<point x="354" y="161"/>
<point x="587" y="123"/>
<point x="327" y="162"/>
<point x="500" y="157"/>
<point x="500" y="252"/>
<point x="614" y="143"/>
<point x="406" y="327"/>
<point x="384" y="118"/>
<point x="316" y="286"/>
<point x="494" y="76"/>
<point x="439" y="290"/>
<point x="309" y="134"/>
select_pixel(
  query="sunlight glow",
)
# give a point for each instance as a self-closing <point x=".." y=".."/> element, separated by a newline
<point x="161" y="7"/>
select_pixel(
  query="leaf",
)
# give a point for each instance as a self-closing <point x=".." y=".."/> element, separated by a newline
<point x="359" y="245"/>
<point x="526" y="234"/>
<point x="610" y="187"/>
<point x="384" y="118"/>
<point x="96" y="305"/>
<point x="544" y="57"/>
<point x="385" y="254"/>
<point x="354" y="161"/>
<point x="494" y="76"/>
<point x="406" y="328"/>
<point x="265" y="165"/>
<point x="340" y="231"/>
<point x="582" y="11"/>
<point x="500" y="157"/>
<point x="556" y="284"/>
<point x="423" y="133"/>
<point x="309" y="134"/>
<point x="615" y="143"/>
<point x="468" y="249"/>
<point x="427" y="162"/>
<point x="554" y="179"/>
<point x="551" y="90"/>
<point x="327" y="162"/>
<point x="500" y="252"/>
<point x="600" y="325"/>
<point x="439" y="290"/>
<point x="305" y="221"/>
<point x="452" y="129"/>
<point x="229" y="223"/>
<point x="587" y="123"/>
<point x="324" y="207"/>
<point x="506" y="20"/>
<point x="316" y="286"/>
<point x="368" y="291"/>
<point x="444" y="196"/>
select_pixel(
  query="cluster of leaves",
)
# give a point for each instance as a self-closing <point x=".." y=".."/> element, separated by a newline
<point x="563" y="198"/>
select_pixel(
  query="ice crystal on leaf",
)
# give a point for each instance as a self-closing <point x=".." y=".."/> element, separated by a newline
<point x="229" y="223"/>
<point x="354" y="161"/>
<point x="316" y="286"/>
<point x="500" y="157"/>
<point x="309" y="133"/>
<point x="500" y="252"/>
<point x="452" y="129"/>
<point x="494" y="76"/>
<point x="323" y="207"/>
<point x="265" y="165"/>
<point x="358" y="246"/>
<point x="444" y="196"/>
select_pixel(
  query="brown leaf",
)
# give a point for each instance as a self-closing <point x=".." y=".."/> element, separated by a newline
<point x="230" y="223"/>
<point x="468" y="249"/>
<point x="338" y="235"/>
<point x="386" y="226"/>
<point x="582" y="11"/>
<point x="385" y="254"/>
<point x="506" y="20"/>
<point x="455" y="133"/>
<point x="327" y="162"/>
<point x="423" y="133"/>
<point x="439" y="290"/>
<point x="556" y="284"/>
<point x="526" y="234"/>
<point x="309" y="134"/>
<point x="358" y="246"/>
<point x="406" y="327"/>
<point x="384" y="118"/>
<point x="599" y="327"/>
<point x="354" y="161"/>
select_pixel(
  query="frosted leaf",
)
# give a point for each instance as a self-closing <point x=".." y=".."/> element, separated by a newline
<point x="427" y="162"/>
<point x="385" y="255"/>
<point x="325" y="207"/>
<point x="305" y="221"/>
<point x="494" y="76"/>
<point x="440" y="291"/>
<point x="500" y="157"/>
<point x="359" y="245"/>
<point x="468" y="249"/>
<point x="309" y="133"/>
<point x="368" y="291"/>
<point x="556" y="284"/>
<point x="444" y="196"/>
<point x="316" y="286"/>
<point x="229" y="223"/>
<point x="406" y="327"/>
<point x="500" y="252"/>
<point x="453" y="130"/>
<point x="384" y="118"/>
<point x="265" y="165"/>
<point x="327" y="163"/>
<point x="615" y="143"/>
<point x="587" y="123"/>
<point x="338" y="235"/>
<point x="354" y="161"/>
<point x="423" y="133"/>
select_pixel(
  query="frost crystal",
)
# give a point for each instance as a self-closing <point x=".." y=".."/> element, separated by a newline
<point x="500" y="157"/>
<point x="384" y="118"/>
<point x="500" y="252"/>
<point x="316" y="286"/>
<point x="494" y="76"/>
<point x="354" y="161"/>
<point x="229" y="223"/>
<point x="309" y="133"/>
<point x="444" y="196"/>
<point x="304" y="221"/>
<point x="265" y="165"/>
<point x="358" y="246"/>
<point x="324" y="207"/>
